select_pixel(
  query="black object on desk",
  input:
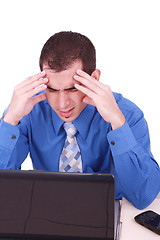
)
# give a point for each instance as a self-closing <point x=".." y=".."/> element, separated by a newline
<point x="52" y="205"/>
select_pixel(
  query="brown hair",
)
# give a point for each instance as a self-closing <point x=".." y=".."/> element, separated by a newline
<point x="63" y="48"/>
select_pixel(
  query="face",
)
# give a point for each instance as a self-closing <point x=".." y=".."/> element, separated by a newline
<point x="62" y="96"/>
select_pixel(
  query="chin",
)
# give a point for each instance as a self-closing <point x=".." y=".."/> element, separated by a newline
<point x="69" y="119"/>
<point x="74" y="114"/>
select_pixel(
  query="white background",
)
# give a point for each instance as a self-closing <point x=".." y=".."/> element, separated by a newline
<point x="126" y="35"/>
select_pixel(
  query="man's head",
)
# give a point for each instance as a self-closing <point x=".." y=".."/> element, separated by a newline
<point x="61" y="56"/>
<point x="64" y="48"/>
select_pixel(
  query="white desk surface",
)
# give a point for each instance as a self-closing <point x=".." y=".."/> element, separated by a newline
<point x="130" y="230"/>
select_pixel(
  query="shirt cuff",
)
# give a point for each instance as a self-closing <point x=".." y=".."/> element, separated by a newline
<point x="121" y="140"/>
<point x="9" y="135"/>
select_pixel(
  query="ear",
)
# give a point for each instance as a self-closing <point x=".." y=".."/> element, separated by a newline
<point x="96" y="74"/>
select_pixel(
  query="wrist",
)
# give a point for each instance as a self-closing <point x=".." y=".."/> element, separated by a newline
<point x="118" y="122"/>
<point x="9" y="119"/>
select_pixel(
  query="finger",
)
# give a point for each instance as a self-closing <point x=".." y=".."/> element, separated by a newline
<point x="37" y="76"/>
<point x="39" y="98"/>
<point x="31" y="86"/>
<point x="35" y="84"/>
<point x="35" y="91"/>
<point x="31" y="79"/>
<point x="83" y="74"/>
<point x="86" y="91"/>
<point x="89" y="84"/>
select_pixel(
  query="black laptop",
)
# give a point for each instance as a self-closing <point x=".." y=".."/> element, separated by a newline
<point x="52" y="205"/>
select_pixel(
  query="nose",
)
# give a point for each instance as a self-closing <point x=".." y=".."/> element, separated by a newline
<point x="63" y="100"/>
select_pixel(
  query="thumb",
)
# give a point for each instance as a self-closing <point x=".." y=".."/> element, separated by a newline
<point x="39" y="98"/>
<point x="88" y="100"/>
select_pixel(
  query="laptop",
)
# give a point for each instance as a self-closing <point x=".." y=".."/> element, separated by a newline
<point x="52" y="205"/>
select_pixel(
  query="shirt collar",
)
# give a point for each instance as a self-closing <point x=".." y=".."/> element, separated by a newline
<point x="57" y="122"/>
<point x="82" y="122"/>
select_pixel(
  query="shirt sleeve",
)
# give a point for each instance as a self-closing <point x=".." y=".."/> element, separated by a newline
<point x="138" y="172"/>
<point x="14" y="146"/>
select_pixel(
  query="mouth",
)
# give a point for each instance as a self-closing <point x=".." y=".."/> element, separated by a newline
<point x="67" y="113"/>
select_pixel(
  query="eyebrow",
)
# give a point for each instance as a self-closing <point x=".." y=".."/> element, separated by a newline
<point x="67" y="89"/>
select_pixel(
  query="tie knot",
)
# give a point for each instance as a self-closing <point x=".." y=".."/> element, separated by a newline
<point x="70" y="129"/>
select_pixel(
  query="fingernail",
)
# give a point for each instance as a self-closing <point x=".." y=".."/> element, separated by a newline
<point x="79" y="71"/>
<point x="43" y="72"/>
<point x="76" y="77"/>
<point x="45" y="79"/>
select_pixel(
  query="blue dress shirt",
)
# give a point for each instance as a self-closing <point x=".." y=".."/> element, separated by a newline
<point x="124" y="152"/>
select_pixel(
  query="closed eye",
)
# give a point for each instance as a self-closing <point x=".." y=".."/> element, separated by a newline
<point x="71" y="89"/>
<point x="51" y="89"/>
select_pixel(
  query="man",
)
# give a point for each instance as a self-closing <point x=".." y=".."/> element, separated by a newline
<point x="112" y="135"/>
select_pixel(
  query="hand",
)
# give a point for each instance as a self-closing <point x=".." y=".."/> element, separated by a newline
<point x="23" y="99"/>
<point x="100" y="96"/>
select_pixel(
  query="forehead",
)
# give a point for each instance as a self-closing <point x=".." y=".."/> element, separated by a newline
<point x="63" y="79"/>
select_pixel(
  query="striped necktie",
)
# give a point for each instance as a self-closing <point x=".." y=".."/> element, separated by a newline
<point x="70" y="159"/>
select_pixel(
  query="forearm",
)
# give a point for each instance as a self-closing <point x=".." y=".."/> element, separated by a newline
<point x="137" y="171"/>
<point x="13" y="146"/>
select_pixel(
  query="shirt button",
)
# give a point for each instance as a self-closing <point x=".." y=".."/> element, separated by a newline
<point x="13" y="137"/>
<point x="113" y="143"/>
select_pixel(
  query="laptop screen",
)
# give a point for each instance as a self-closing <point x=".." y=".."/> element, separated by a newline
<point x="49" y="205"/>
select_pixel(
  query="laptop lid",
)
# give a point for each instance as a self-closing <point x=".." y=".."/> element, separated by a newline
<point x="53" y="205"/>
